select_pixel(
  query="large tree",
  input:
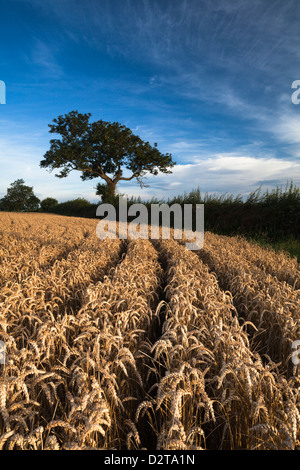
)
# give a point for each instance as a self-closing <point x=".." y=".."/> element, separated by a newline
<point x="19" y="197"/>
<point x="102" y="149"/>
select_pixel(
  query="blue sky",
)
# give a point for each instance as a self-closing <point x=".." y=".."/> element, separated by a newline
<point x="209" y="81"/>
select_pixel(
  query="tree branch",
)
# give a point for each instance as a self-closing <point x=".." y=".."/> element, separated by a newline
<point x="129" y="178"/>
<point x="100" y="172"/>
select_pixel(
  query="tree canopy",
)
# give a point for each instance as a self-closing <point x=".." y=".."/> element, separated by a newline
<point x="19" y="198"/>
<point x="48" y="203"/>
<point x="102" y="149"/>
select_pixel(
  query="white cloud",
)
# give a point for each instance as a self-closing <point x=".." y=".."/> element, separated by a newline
<point x="224" y="173"/>
<point x="249" y="165"/>
<point x="230" y="173"/>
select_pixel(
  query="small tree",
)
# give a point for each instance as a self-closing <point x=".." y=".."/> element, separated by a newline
<point x="102" y="150"/>
<point x="19" y="198"/>
<point x="48" y="203"/>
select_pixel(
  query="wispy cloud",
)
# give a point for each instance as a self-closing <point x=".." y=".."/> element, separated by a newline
<point x="209" y="81"/>
<point x="287" y="128"/>
<point x="43" y="57"/>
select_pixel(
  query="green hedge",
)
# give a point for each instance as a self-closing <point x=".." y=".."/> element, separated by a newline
<point x="79" y="207"/>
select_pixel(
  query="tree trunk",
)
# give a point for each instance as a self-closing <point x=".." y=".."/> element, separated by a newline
<point x="110" y="191"/>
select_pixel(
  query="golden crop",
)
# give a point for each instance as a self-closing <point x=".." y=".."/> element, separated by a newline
<point x="140" y="344"/>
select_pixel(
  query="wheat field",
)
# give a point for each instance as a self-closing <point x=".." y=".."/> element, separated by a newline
<point x="143" y="344"/>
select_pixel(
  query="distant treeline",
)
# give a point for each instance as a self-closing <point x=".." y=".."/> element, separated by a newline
<point x="79" y="207"/>
<point x="273" y="215"/>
